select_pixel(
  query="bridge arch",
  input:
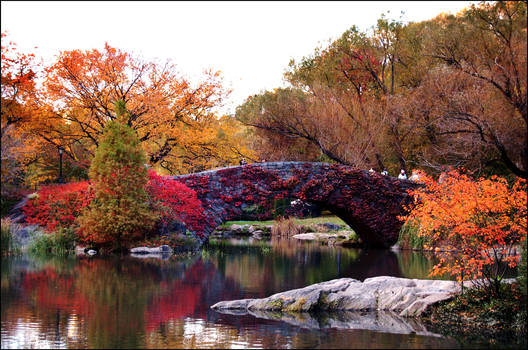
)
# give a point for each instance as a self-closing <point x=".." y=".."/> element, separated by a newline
<point x="368" y="203"/>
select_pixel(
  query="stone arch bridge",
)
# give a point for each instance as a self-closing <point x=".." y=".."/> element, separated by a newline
<point x="368" y="203"/>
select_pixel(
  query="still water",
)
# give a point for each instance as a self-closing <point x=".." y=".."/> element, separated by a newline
<point x="152" y="303"/>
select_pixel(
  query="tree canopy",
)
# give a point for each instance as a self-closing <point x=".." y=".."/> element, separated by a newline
<point x="450" y="91"/>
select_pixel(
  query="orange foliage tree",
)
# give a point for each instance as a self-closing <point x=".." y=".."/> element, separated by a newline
<point x="477" y="223"/>
<point x="18" y="105"/>
<point x="174" y="119"/>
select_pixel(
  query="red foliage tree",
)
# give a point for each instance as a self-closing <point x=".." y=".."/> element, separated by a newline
<point x="58" y="205"/>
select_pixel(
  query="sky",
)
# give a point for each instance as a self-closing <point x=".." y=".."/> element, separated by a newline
<point x="250" y="42"/>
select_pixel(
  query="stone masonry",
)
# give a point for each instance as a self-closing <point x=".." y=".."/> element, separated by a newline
<point x="369" y="203"/>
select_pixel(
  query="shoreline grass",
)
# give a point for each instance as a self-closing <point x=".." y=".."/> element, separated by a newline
<point x="299" y="221"/>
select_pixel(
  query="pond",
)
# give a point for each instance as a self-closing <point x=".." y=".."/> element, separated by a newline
<point x="126" y="302"/>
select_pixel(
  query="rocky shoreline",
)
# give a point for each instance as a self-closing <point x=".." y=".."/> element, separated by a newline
<point x="324" y="233"/>
<point x="403" y="296"/>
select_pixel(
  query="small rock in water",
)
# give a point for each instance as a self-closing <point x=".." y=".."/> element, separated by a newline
<point x="165" y="249"/>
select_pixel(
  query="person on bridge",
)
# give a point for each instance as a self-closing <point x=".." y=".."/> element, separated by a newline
<point x="243" y="161"/>
<point x="403" y="175"/>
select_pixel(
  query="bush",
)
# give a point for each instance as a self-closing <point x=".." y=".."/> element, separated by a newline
<point x="60" y="243"/>
<point x="61" y="205"/>
<point x="482" y="220"/>
<point x="174" y="201"/>
<point x="58" y="205"/>
<point x="285" y="227"/>
<point x="120" y="211"/>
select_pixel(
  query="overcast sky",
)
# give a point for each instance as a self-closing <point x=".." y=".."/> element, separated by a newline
<point x="250" y="42"/>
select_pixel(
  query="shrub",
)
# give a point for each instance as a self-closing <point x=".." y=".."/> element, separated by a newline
<point x="483" y="220"/>
<point x="58" y="205"/>
<point x="174" y="201"/>
<point x="60" y="243"/>
<point x="119" y="212"/>
<point x="477" y="317"/>
<point x="285" y="227"/>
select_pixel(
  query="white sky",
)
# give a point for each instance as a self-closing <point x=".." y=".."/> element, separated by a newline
<point x="250" y="42"/>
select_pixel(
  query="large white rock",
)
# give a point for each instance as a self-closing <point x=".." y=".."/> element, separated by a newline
<point x="406" y="297"/>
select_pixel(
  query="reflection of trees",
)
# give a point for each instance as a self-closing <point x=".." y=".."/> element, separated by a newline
<point x="417" y="265"/>
<point x="118" y="292"/>
<point x="293" y="264"/>
<point x="126" y="302"/>
<point x="115" y="301"/>
<point x="372" y="263"/>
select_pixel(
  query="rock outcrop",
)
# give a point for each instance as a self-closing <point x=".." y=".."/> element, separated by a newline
<point x="403" y="296"/>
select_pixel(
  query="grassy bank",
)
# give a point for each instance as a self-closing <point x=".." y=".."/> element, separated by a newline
<point x="60" y="243"/>
<point x="305" y="221"/>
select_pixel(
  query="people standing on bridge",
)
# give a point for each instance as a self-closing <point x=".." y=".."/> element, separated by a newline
<point x="385" y="172"/>
<point x="403" y="175"/>
<point x="243" y="161"/>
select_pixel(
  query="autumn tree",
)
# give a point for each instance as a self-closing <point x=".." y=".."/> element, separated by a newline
<point x="29" y="149"/>
<point x="485" y="100"/>
<point x="474" y="224"/>
<point x="174" y="119"/>
<point x="450" y="91"/>
<point x="345" y="90"/>
<point x="286" y="130"/>
<point x="17" y="108"/>
<point x="119" y="212"/>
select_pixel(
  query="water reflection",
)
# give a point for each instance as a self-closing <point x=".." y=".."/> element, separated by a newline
<point x="379" y="321"/>
<point x="128" y="302"/>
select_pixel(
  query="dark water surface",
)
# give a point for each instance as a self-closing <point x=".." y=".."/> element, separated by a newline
<point x="149" y="303"/>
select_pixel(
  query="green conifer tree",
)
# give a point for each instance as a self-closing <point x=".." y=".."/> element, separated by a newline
<point x="119" y="213"/>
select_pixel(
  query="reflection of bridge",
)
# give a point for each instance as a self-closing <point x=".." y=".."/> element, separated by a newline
<point x="368" y="203"/>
